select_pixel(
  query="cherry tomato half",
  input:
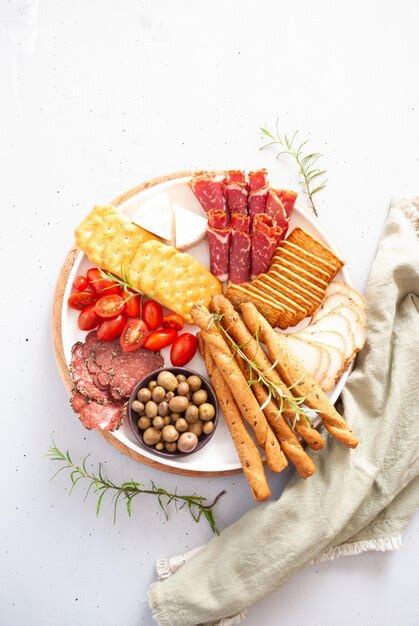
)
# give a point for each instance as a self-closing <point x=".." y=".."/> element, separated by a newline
<point x="109" y="306"/>
<point x="132" y="304"/>
<point x="81" y="299"/>
<point x="111" y="328"/>
<point x="152" y="314"/>
<point x="183" y="349"/>
<point x="100" y="285"/>
<point x="88" y="318"/>
<point x="81" y="283"/>
<point x="173" y="320"/>
<point x="160" y="339"/>
<point x="133" y="335"/>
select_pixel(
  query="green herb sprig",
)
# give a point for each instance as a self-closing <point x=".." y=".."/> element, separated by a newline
<point x="312" y="178"/>
<point x="101" y="485"/>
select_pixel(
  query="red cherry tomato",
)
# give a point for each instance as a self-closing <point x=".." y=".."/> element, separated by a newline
<point x="109" y="306"/>
<point x="81" y="283"/>
<point x="132" y="304"/>
<point x="173" y="320"/>
<point x="111" y="328"/>
<point x="100" y="285"/>
<point x="183" y="349"/>
<point x="81" y="299"/>
<point x="88" y="318"/>
<point x="160" y="339"/>
<point x="152" y="314"/>
<point x="133" y="335"/>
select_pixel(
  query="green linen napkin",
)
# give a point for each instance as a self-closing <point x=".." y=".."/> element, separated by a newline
<point x="358" y="499"/>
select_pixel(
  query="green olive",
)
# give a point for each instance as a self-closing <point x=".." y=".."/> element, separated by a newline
<point x="206" y="411"/>
<point x="151" y="436"/>
<point x="158" y="422"/>
<point x="182" y="389"/>
<point x="178" y="404"/>
<point x="196" y="428"/>
<point x="137" y="406"/>
<point x="207" y="428"/>
<point x="167" y="380"/>
<point x="187" y="442"/>
<point x="144" y="395"/>
<point x="152" y="384"/>
<point x="181" y="377"/>
<point x="144" y="422"/>
<point x="170" y="447"/>
<point x="167" y="420"/>
<point x="175" y="416"/>
<point x="181" y="425"/>
<point x="169" y="395"/>
<point x="194" y="382"/>
<point x="170" y="434"/>
<point x="151" y="409"/>
<point x="160" y="446"/>
<point x="163" y="408"/>
<point x="158" y="394"/>
<point x="199" y="397"/>
<point x="192" y="414"/>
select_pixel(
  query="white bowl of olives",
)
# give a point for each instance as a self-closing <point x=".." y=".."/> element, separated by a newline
<point x="173" y="411"/>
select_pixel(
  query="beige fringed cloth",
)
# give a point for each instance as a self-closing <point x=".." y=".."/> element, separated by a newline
<point x="359" y="499"/>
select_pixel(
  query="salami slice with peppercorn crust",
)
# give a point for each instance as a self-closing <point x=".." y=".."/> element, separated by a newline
<point x="240" y="248"/>
<point x="219" y="234"/>
<point x="265" y="237"/>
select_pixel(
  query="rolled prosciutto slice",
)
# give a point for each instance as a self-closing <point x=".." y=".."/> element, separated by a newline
<point x="258" y="179"/>
<point x="258" y="191"/>
<point x="288" y="199"/>
<point x="209" y="192"/>
<point x="219" y="233"/>
<point x="265" y="237"/>
<point x="275" y="208"/>
<point x="240" y="248"/>
<point x="236" y="192"/>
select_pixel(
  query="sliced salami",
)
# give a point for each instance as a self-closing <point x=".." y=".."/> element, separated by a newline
<point x="240" y="248"/>
<point x="288" y="199"/>
<point x="93" y="415"/>
<point x="265" y="237"/>
<point x="218" y="234"/>
<point x="276" y="210"/>
<point x="209" y="192"/>
<point x="126" y="369"/>
<point x="83" y="379"/>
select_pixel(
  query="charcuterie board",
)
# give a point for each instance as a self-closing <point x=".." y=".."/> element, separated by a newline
<point x="220" y="456"/>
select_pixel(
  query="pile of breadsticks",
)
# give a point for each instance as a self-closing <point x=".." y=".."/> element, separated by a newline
<point x="257" y="385"/>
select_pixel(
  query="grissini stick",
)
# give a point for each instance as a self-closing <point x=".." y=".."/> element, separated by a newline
<point x="246" y="448"/>
<point x="238" y="330"/>
<point x="297" y="377"/>
<point x="240" y="390"/>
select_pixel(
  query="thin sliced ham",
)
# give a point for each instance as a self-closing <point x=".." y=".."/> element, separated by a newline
<point x="240" y="246"/>
<point x="329" y="338"/>
<point x="219" y="234"/>
<point x="265" y="237"/>
<point x="209" y="192"/>
<point x="337" y="365"/>
<point x="258" y="179"/>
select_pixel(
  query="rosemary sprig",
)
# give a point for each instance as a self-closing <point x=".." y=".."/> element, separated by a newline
<point x="256" y="375"/>
<point x="102" y="485"/>
<point x="293" y="147"/>
<point x="123" y="282"/>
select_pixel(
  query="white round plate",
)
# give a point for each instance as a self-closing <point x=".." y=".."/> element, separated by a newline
<point x="220" y="454"/>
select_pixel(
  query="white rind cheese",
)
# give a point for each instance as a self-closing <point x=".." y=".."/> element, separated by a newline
<point x="156" y="216"/>
<point x="190" y="228"/>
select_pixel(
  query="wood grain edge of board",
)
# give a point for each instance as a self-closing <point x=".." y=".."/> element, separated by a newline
<point x="58" y="347"/>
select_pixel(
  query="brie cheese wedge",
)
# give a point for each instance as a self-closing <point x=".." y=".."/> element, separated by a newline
<point x="190" y="228"/>
<point x="156" y="216"/>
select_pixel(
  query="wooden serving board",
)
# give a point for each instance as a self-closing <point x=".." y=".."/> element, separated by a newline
<point x="57" y="333"/>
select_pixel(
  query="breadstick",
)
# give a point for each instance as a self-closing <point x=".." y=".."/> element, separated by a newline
<point x="297" y="377"/>
<point x="241" y="392"/>
<point x="237" y="329"/>
<point x="246" y="448"/>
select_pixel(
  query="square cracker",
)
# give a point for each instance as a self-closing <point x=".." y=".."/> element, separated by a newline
<point x="300" y="280"/>
<point x="283" y="253"/>
<point x="142" y="256"/>
<point x="273" y="312"/>
<point x="287" y="291"/>
<point x="289" y="314"/>
<point x="299" y="271"/>
<point x="302" y="238"/>
<point x="289" y="300"/>
<point x="183" y="282"/>
<point x="103" y="233"/>
<point x="315" y="301"/>
<point x="305" y="254"/>
<point x="87" y="227"/>
<point x="150" y="276"/>
<point x="121" y="249"/>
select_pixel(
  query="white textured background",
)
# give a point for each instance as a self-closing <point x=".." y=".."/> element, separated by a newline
<point x="96" y="96"/>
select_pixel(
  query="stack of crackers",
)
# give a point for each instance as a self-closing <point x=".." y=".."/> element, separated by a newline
<point x="176" y="279"/>
<point x="295" y="284"/>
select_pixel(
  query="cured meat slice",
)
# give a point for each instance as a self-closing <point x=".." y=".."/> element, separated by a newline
<point x="276" y="210"/>
<point x="219" y="233"/>
<point x="240" y="248"/>
<point x="93" y="415"/>
<point x="128" y="368"/>
<point x="83" y="379"/>
<point x="257" y="201"/>
<point x="209" y="192"/>
<point x="265" y="237"/>
<point x="236" y="194"/>
<point x="235" y="176"/>
<point x="288" y="199"/>
<point x="258" y="179"/>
